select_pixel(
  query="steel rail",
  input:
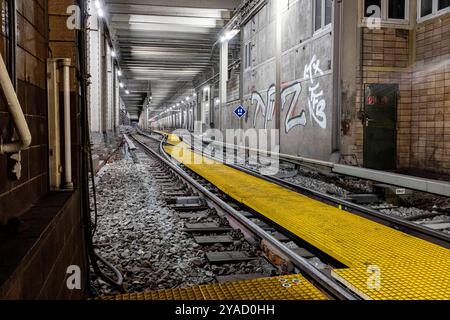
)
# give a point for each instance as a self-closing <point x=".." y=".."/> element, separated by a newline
<point x="436" y="187"/>
<point x="329" y="285"/>
<point x="400" y="224"/>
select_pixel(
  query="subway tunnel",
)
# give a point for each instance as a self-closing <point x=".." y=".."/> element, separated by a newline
<point x="235" y="150"/>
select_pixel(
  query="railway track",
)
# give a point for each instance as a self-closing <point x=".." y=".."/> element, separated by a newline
<point x="228" y="222"/>
<point x="409" y="226"/>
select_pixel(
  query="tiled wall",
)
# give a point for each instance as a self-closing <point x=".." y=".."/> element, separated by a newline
<point x="386" y="47"/>
<point x="17" y="196"/>
<point x="386" y="59"/>
<point x="34" y="262"/>
<point x="62" y="44"/>
<point x="430" y="114"/>
<point x="48" y="246"/>
<point x="419" y="61"/>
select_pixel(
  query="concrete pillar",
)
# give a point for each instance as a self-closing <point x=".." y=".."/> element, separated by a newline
<point x="182" y="119"/>
<point x="147" y="116"/>
<point x="188" y="116"/>
<point x="198" y="110"/>
<point x="117" y="100"/>
<point x="223" y="80"/>
<point x="94" y="61"/>
<point x="109" y="92"/>
<point x="104" y="82"/>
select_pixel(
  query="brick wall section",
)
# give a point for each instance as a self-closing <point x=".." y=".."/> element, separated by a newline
<point x="34" y="262"/>
<point x="386" y="47"/>
<point x="17" y="196"/>
<point x="430" y="114"/>
<point x="424" y="103"/>
<point x="386" y="60"/>
<point x="52" y="244"/>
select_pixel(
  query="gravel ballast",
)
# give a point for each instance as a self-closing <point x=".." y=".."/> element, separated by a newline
<point x="142" y="237"/>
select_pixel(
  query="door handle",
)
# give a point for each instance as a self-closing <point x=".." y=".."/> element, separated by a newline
<point x="368" y="121"/>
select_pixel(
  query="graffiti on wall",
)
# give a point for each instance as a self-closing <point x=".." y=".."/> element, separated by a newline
<point x="293" y="119"/>
<point x="316" y="101"/>
<point x="290" y="95"/>
<point x="267" y="110"/>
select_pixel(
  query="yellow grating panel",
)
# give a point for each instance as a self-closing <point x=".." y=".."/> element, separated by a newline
<point x="171" y="138"/>
<point x="417" y="283"/>
<point x="354" y="241"/>
<point x="269" y="289"/>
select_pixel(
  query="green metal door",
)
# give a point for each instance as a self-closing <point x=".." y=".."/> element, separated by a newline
<point x="380" y="126"/>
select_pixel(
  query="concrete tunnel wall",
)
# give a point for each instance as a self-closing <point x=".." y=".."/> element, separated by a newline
<point x="305" y="130"/>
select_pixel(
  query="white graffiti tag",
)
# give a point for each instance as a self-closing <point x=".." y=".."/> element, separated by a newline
<point x="293" y="119"/>
<point x="268" y="110"/>
<point x="316" y="102"/>
<point x="374" y="20"/>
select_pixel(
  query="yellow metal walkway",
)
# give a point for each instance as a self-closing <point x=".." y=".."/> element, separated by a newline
<point x="269" y="289"/>
<point x="382" y="263"/>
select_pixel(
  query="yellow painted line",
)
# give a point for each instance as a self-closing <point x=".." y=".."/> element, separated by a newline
<point x="269" y="289"/>
<point x="354" y="241"/>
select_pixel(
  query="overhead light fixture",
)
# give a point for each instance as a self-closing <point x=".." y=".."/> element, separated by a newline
<point x="188" y="98"/>
<point x="205" y="89"/>
<point x="231" y="34"/>
<point x="127" y="91"/>
<point x="113" y="54"/>
<point x="98" y="4"/>
<point x="195" y="95"/>
<point x="178" y="104"/>
<point x="100" y="13"/>
<point x="217" y="100"/>
<point x="119" y="73"/>
<point x="121" y="85"/>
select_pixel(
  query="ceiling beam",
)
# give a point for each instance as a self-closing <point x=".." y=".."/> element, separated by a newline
<point x="185" y="21"/>
<point x="167" y="42"/>
<point x="198" y="4"/>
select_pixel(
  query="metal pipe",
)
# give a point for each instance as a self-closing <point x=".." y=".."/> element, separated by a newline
<point x="65" y="63"/>
<point x="278" y="67"/>
<point x="223" y="81"/>
<point x="16" y="112"/>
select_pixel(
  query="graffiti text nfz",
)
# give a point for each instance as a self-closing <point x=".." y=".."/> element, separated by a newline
<point x="316" y="102"/>
<point x="293" y="119"/>
<point x="289" y="99"/>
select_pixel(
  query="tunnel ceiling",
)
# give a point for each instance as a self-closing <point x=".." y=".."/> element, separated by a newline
<point x="164" y="43"/>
